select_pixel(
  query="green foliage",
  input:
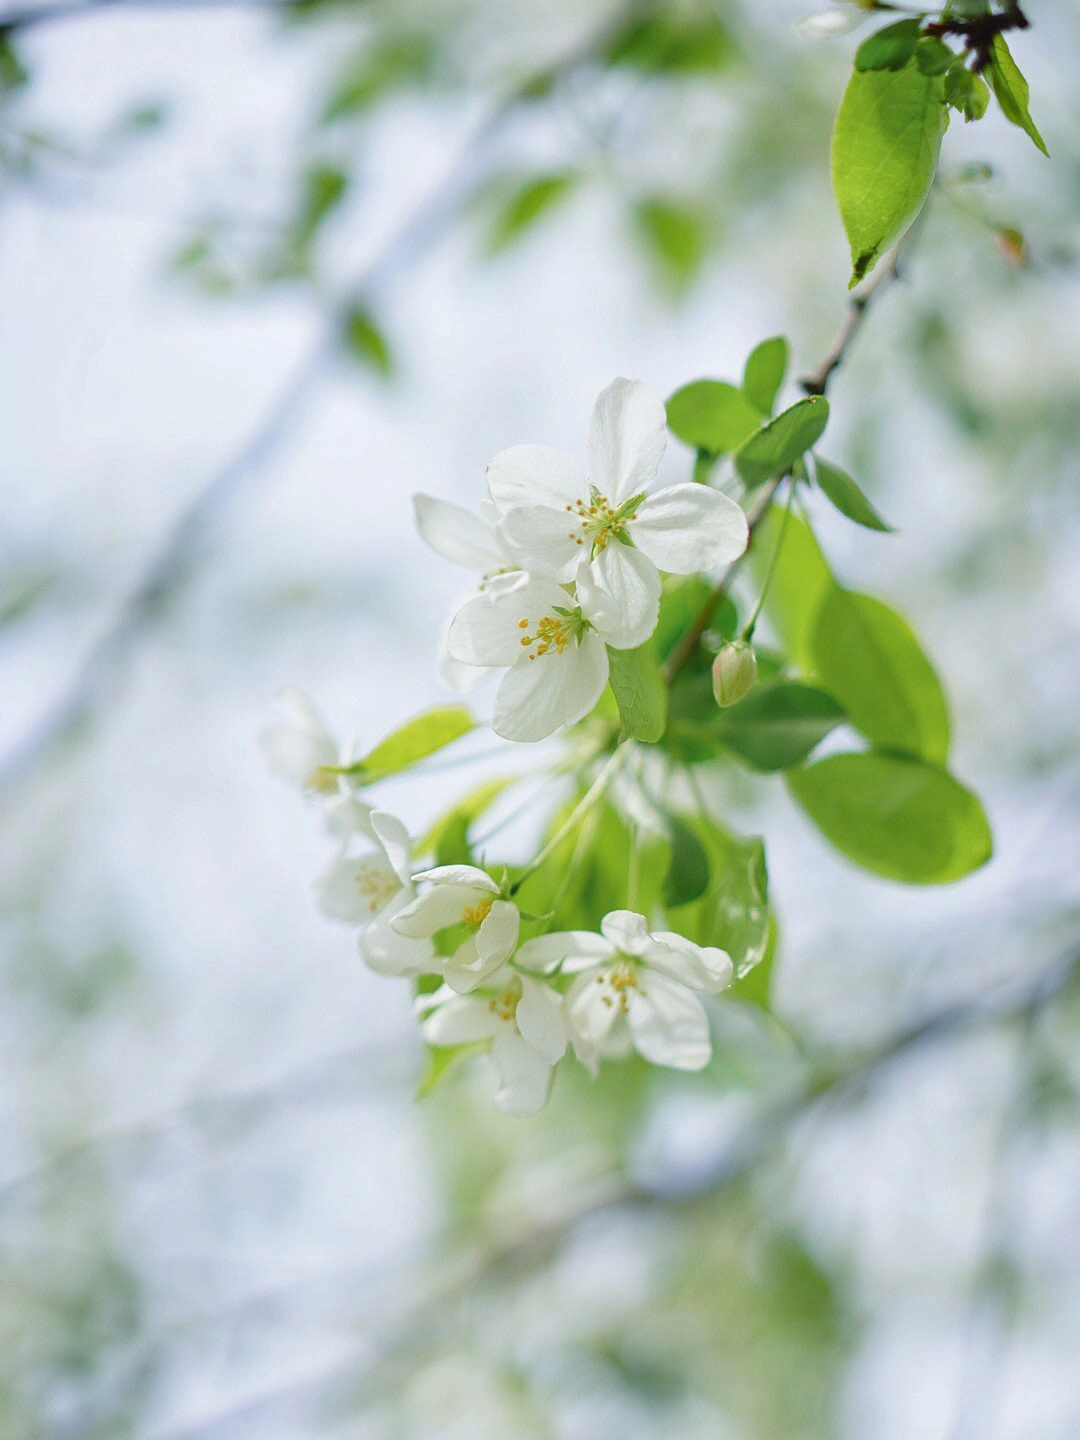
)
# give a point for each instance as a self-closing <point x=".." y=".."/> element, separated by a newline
<point x="1011" y="90"/>
<point x="676" y="233"/>
<point x="891" y="48"/>
<point x="779" y="724"/>
<point x="668" y="41"/>
<point x="884" y="155"/>
<point x="448" y="837"/>
<point x="396" y="61"/>
<point x="838" y="487"/>
<point x="365" y="342"/>
<point x="13" y="73"/>
<point x="413" y="741"/>
<point x="800" y="579"/>
<point x="521" y="206"/>
<point x="966" y="93"/>
<point x="764" y="372"/>
<point x="732" y="913"/>
<point x="323" y="191"/>
<point x="688" y="869"/>
<point x="774" y="449"/>
<point x="712" y="415"/>
<point x="640" y="692"/>
<point x="868" y="657"/>
<point x="895" y="815"/>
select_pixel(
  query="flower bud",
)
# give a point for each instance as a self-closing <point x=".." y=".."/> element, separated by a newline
<point x="734" y="672"/>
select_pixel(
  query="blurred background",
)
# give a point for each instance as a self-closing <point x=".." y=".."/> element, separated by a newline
<point x="266" y="271"/>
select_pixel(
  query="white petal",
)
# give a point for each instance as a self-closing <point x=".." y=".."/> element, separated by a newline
<point x="545" y="953"/>
<point x="627" y="436"/>
<point x="701" y="967"/>
<point x="537" y="696"/>
<point x="488" y="629"/>
<point x="388" y="953"/>
<point x="524" y="1075"/>
<point x="533" y="475"/>
<point x="438" y="908"/>
<point x="686" y="528"/>
<point x="543" y="540"/>
<point x="354" y="888"/>
<point x="394" y="839"/>
<point x="346" y="816"/>
<point x="668" y="1023"/>
<point x="470" y="875"/>
<point x="498" y="933"/>
<point x="620" y="593"/>
<point x="541" y="1020"/>
<point x="457" y="535"/>
<point x="591" y="1008"/>
<point x="459" y="1019"/>
<point x="626" y="930"/>
<point x="298" y="745"/>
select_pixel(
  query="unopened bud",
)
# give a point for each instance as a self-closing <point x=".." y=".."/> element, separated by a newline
<point x="734" y="672"/>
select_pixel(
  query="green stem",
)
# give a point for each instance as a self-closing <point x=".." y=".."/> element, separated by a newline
<point x="587" y="801"/>
<point x="748" y="628"/>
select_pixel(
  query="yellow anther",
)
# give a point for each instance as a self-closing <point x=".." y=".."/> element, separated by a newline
<point x="475" y="915"/>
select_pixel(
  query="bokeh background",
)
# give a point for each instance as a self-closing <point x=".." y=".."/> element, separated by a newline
<point x="266" y="270"/>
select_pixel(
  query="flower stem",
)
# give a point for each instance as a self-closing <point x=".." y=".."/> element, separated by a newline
<point x="748" y="628"/>
<point x="587" y="801"/>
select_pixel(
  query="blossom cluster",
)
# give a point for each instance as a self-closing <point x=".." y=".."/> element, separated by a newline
<point x="571" y="560"/>
<point x="526" y="1003"/>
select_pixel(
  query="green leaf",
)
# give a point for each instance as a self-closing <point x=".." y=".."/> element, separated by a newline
<point x="884" y="154"/>
<point x="640" y="692"/>
<point x="1011" y="90"/>
<point x="889" y="49"/>
<point x="733" y="911"/>
<point x="799" y="581"/>
<point x="712" y="415"/>
<point x="448" y="838"/>
<point x="12" y="71"/>
<point x="688" y="871"/>
<point x="868" y="656"/>
<point x="365" y="342"/>
<point x="376" y="70"/>
<point x="779" y="724"/>
<point x="441" y="1059"/>
<point x="766" y="366"/>
<point x="837" y="485"/>
<point x="414" y="741"/>
<point x="895" y="815"/>
<point x="324" y="189"/>
<point x="966" y="92"/>
<point x="774" y="448"/>
<point x="671" y="42"/>
<point x="933" y="56"/>
<point x="526" y="204"/>
<point x="677" y="234"/>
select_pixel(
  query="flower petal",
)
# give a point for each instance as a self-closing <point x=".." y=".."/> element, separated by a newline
<point x="542" y="540"/>
<point x="536" y="697"/>
<point x="498" y="933"/>
<point x="626" y="930"/>
<point x="457" y="535"/>
<point x="668" y="1023"/>
<point x="572" y="949"/>
<point x="394" y="839"/>
<point x="487" y="630"/>
<point x="386" y="952"/>
<point x="459" y="1019"/>
<point x="541" y="1020"/>
<point x="620" y="593"/>
<point x="701" y="967"/>
<point x="354" y="888"/>
<point x="470" y="875"/>
<point x="533" y="475"/>
<point x="627" y="436"/>
<point x="591" y="1008"/>
<point x="435" y="910"/>
<point x="525" y="1077"/>
<point x="686" y="528"/>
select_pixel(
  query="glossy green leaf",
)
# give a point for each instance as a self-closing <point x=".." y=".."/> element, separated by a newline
<point x="869" y="658"/>
<point x="774" y="448"/>
<point x="895" y="815"/>
<point x="688" y="870"/>
<point x="800" y="579"/>
<point x="712" y="415"/>
<point x="527" y="204"/>
<point x="1011" y="90"/>
<point x="733" y="911"/>
<point x="365" y="342"/>
<point x="884" y="154"/>
<point x="838" y="487"/>
<point x="414" y="741"/>
<point x="640" y="692"/>
<point x="779" y="724"/>
<point x="889" y="49"/>
<point x="766" y="366"/>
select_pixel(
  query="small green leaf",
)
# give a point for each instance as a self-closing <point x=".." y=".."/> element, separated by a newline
<point x="733" y="911"/>
<point x="526" y="204"/>
<point x="933" y="56"/>
<point x="1011" y="90"/>
<point x="688" y="871"/>
<point x="799" y="581"/>
<point x="837" y="485"/>
<point x="895" y="815"/>
<point x="889" y="49"/>
<point x="376" y="70"/>
<point x="868" y="656"/>
<point x="675" y="41"/>
<point x="365" y="342"/>
<point x="414" y="741"/>
<point x="447" y="838"/>
<point x="677" y="234"/>
<point x="774" y="448"/>
<point x="766" y="366"/>
<point x="324" y="190"/>
<point x="779" y="724"/>
<point x="712" y="415"/>
<point x="966" y="93"/>
<point x="639" y="691"/>
<point x="12" y="71"/>
<point x="884" y="154"/>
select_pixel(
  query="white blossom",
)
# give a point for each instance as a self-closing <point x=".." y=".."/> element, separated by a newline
<point x="463" y="895"/>
<point x="298" y="745"/>
<point x="522" y="1019"/>
<point x="553" y="515"/>
<point x="633" y="989"/>
<point x="462" y="537"/>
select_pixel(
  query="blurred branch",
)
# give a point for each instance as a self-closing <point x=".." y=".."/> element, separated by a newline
<point x="184" y="547"/>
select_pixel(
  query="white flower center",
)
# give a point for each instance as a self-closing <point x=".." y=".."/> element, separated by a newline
<point x="504" y="1005"/>
<point x="598" y="521"/>
<point x="376" y="886"/>
<point x="551" y="632"/>
<point x="475" y="915"/>
<point x="622" y="977"/>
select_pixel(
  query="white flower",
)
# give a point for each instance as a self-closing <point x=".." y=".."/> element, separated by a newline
<point x="299" y="747"/>
<point x="553" y="650"/>
<point x="370" y="890"/>
<point x="463" y="895"/>
<point x="553" y="515"/>
<point x="522" y="1017"/>
<point x="634" y="989"/>
<point x="462" y="537"/>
